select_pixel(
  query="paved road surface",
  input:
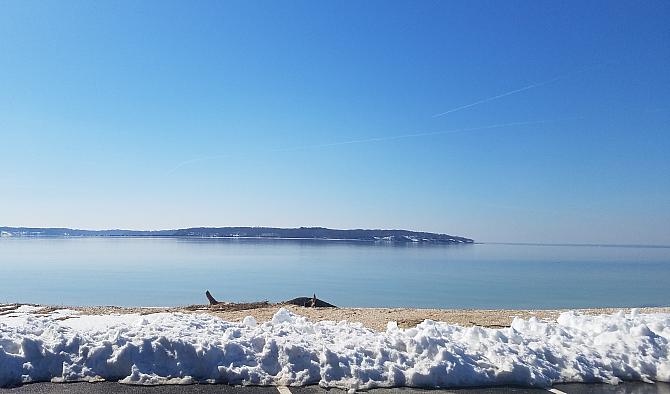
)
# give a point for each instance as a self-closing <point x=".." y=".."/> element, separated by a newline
<point x="107" y="387"/>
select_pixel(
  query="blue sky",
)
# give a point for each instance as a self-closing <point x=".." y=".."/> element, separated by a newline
<point x="150" y="115"/>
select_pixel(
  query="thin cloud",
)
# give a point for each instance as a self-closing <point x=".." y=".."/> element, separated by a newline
<point x="515" y="91"/>
<point x="370" y="140"/>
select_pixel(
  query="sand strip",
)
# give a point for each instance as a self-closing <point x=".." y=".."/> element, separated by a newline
<point x="374" y="318"/>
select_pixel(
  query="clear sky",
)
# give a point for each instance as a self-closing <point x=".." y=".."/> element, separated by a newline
<point x="529" y="121"/>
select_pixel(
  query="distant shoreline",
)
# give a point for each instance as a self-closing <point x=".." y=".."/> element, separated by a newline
<point x="234" y="238"/>
<point x="303" y="233"/>
<point x="649" y="246"/>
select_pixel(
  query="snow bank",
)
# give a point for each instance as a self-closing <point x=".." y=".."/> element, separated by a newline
<point x="289" y="350"/>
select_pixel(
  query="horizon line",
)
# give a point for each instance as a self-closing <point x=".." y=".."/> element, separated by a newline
<point x="585" y="244"/>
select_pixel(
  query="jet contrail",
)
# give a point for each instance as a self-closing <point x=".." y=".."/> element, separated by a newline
<point x="515" y="91"/>
<point x="486" y="100"/>
<point x="412" y="135"/>
<point x="373" y="139"/>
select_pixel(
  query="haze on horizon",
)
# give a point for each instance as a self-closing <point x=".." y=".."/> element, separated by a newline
<point x="534" y="121"/>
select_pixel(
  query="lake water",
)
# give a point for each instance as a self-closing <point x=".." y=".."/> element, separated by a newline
<point x="168" y="271"/>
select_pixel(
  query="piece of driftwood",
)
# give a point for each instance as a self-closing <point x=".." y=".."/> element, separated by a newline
<point x="212" y="300"/>
<point x="310" y="302"/>
<point x="231" y="306"/>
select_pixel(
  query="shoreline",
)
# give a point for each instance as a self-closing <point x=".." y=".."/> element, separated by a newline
<point x="375" y="319"/>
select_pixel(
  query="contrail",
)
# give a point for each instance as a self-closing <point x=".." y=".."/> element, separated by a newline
<point x="515" y="91"/>
<point x="422" y="134"/>
<point x="486" y="100"/>
<point x="372" y="139"/>
<point x="413" y="135"/>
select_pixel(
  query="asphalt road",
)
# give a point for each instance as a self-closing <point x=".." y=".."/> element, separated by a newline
<point x="108" y="387"/>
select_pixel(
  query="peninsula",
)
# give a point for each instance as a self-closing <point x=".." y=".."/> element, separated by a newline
<point x="392" y="236"/>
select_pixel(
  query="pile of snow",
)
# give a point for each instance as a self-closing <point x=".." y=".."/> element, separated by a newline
<point x="290" y="350"/>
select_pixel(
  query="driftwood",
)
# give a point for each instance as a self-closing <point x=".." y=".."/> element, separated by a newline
<point x="311" y="302"/>
<point x="212" y="300"/>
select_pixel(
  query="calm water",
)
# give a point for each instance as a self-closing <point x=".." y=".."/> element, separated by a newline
<point x="159" y="272"/>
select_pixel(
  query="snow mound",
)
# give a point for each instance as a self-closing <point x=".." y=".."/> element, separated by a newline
<point x="180" y="348"/>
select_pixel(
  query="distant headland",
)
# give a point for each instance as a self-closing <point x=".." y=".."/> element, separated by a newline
<point x="392" y="236"/>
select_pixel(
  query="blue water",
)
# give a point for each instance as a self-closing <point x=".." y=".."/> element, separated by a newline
<point x="165" y="271"/>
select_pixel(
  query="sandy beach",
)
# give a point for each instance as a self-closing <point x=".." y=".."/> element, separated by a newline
<point x="373" y="318"/>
